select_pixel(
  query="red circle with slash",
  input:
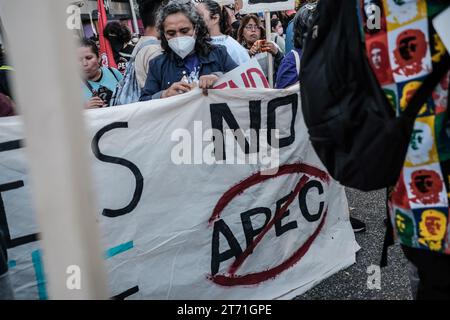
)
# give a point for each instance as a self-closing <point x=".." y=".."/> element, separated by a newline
<point x="231" y="278"/>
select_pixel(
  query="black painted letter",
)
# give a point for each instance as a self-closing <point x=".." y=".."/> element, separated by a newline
<point x="133" y="168"/>
<point x="220" y="227"/>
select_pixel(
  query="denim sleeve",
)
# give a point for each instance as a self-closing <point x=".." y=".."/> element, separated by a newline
<point x="228" y="63"/>
<point x="287" y="72"/>
<point x="152" y="84"/>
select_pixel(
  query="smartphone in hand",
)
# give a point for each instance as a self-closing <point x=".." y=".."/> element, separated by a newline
<point x="260" y="45"/>
<point x="105" y="94"/>
<point x="265" y="47"/>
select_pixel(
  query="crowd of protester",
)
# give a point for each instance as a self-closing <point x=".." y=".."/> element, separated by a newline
<point x="185" y="44"/>
<point x="188" y="44"/>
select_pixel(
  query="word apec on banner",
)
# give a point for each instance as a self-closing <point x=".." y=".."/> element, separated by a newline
<point x="252" y="6"/>
<point x="237" y="235"/>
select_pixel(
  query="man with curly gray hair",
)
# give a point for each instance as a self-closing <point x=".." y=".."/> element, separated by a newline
<point x="189" y="59"/>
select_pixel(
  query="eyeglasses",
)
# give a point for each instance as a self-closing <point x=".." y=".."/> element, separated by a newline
<point x="252" y="27"/>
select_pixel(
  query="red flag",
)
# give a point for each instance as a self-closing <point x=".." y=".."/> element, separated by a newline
<point x="106" y="52"/>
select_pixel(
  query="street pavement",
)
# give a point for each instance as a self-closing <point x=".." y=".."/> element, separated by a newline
<point x="351" y="284"/>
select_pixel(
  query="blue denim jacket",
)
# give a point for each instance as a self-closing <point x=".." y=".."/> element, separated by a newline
<point x="169" y="68"/>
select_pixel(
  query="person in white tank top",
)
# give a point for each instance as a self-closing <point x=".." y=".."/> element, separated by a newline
<point x="217" y="21"/>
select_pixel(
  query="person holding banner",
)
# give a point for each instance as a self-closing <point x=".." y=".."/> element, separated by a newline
<point x="217" y="21"/>
<point x="252" y="37"/>
<point x="99" y="82"/>
<point x="189" y="59"/>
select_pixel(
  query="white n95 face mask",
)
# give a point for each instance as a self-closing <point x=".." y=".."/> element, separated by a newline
<point x="182" y="46"/>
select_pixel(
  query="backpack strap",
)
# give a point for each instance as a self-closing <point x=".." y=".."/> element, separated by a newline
<point x="297" y="60"/>
<point x="142" y="45"/>
<point x="91" y="89"/>
<point x="115" y="76"/>
<point x="427" y="87"/>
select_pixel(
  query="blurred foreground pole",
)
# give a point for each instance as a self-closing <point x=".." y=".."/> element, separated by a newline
<point x="48" y="90"/>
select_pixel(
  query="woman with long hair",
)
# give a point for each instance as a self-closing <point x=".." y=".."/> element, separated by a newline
<point x="189" y="59"/>
<point x="252" y="36"/>
<point x="218" y="23"/>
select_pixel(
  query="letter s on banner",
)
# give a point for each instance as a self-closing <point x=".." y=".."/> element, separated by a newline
<point x="133" y="168"/>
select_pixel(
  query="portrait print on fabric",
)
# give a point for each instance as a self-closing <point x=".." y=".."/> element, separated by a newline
<point x="409" y="52"/>
<point x="405" y="226"/>
<point x="399" y="196"/>
<point x="425" y="187"/>
<point x="432" y="227"/>
<point x="392" y="94"/>
<point x="422" y="149"/>
<point x="377" y="49"/>
<point x="403" y="12"/>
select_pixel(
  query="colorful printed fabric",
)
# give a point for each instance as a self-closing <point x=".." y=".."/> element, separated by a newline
<point x="402" y="52"/>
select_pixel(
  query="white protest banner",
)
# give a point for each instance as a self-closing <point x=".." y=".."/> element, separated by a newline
<point x="182" y="220"/>
<point x="224" y="2"/>
<point x="248" y="75"/>
<point x="252" y="6"/>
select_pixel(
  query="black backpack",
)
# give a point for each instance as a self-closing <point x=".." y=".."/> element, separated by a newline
<point x="351" y="123"/>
